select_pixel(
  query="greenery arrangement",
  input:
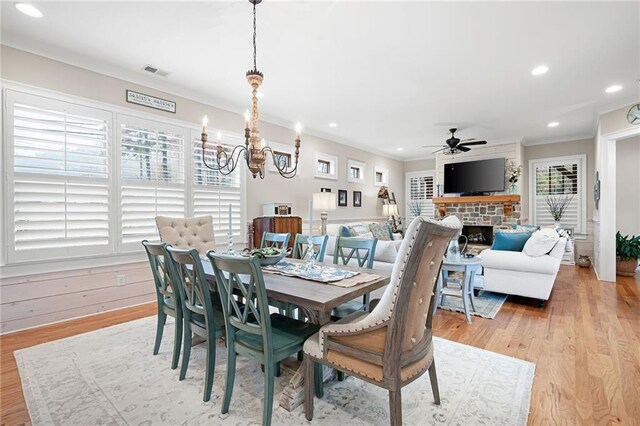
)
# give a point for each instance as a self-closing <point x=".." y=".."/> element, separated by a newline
<point x="513" y="172"/>
<point x="415" y="207"/>
<point x="628" y="247"/>
<point x="557" y="205"/>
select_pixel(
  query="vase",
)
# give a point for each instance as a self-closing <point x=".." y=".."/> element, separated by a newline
<point x="513" y="188"/>
<point x="584" y="261"/>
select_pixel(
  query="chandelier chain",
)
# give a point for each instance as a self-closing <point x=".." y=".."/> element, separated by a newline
<point x="255" y="66"/>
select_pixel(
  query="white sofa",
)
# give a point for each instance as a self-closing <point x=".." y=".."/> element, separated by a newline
<point x="386" y="251"/>
<point x="513" y="272"/>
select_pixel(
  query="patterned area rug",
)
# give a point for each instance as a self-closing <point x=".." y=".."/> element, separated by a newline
<point x="110" y="377"/>
<point x="488" y="304"/>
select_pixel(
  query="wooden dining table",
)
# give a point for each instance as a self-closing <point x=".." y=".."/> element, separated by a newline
<point x="316" y="299"/>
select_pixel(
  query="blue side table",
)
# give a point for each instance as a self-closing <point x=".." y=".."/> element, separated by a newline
<point x="468" y="267"/>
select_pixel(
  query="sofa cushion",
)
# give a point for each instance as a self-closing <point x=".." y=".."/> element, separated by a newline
<point x="344" y="231"/>
<point x="541" y="242"/>
<point x="357" y="228"/>
<point x="510" y="241"/>
<point x="519" y="261"/>
<point x="381" y="231"/>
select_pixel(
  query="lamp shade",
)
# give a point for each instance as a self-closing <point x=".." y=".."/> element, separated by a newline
<point x="324" y="201"/>
<point x="390" y="210"/>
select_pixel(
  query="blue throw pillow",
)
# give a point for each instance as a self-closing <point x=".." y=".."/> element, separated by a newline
<point x="344" y="231"/>
<point x="510" y="241"/>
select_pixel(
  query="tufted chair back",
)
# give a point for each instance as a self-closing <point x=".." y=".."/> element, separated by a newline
<point x="187" y="233"/>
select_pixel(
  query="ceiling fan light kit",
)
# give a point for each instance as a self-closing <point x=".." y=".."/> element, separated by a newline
<point x="253" y="152"/>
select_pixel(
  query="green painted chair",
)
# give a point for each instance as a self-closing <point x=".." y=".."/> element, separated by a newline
<point x="168" y="298"/>
<point x="271" y="239"/>
<point x="251" y="330"/>
<point x="362" y="250"/>
<point x="301" y="246"/>
<point x="201" y="308"/>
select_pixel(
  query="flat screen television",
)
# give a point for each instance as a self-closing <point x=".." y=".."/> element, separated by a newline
<point x="474" y="177"/>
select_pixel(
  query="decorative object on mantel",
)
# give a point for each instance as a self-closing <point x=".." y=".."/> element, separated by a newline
<point x="324" y="202"/>
<point x="557" y="205"/>
<point x="584" y="261"/>
<point x="513" y="175"/>
<point x="151" y="101"/>
<point x="357" y="198"/>
<point x="254" y="151"/>
<point x="627" y="254"/>
<point x="596" y="191"/>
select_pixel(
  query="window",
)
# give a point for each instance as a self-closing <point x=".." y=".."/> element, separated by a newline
<point x="214" y="192"/>
<point x="59" y="154"/>
<point x="557" y="177"/>
<point x="151" y="177"/>
<point x="283" y="160"/>
<point x="88" y="181"/>
<point x="381" y="176"/>
<point x="326" y="166"/>
<point x="419" y="187"/>
<point x="355" y="171"/>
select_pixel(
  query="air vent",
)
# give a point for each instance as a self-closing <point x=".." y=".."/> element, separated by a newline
<point x="156" y="71"/>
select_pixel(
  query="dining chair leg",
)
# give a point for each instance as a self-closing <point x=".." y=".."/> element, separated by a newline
<point x="211" y="366"/>
<point x="269" y="370"/>
<point x="395" y="407"/>
<point x="231" y="375"/>
<point x="319" y="379"/>
<point x="186" y="349"/>
<point x="309" y="384"/>
<point x="433" y="377"/>
<point x="340" y="376"/>
<point x="177" y="342"/>
<point x="278" y="370"/>
<point x="162" y="319"/>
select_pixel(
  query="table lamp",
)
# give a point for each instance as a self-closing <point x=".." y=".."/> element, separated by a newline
<point x="390" y="210"/>
<point x="324" y="202"/>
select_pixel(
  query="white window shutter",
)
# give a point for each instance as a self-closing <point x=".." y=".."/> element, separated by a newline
<point x="420" y="189"/>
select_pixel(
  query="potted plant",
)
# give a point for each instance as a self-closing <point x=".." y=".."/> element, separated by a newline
<point x="628" y="253"/>
<point x="557" y="205"/>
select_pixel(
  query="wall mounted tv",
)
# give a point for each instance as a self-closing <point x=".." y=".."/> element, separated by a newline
<point x="474" y="177"/>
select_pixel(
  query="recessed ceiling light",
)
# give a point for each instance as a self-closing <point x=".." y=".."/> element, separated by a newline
<point x="260" y="95"/>
<point x="539" y="70"/>
<point x="553" y="124"/>
<point x="333" y="124"/>
<point x="29" y="10"/>
<point x="613" y="89"/>
<point x="400" y="149"/>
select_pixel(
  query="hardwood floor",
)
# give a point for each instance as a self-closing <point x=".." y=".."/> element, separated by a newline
<point x="585" y="344"/>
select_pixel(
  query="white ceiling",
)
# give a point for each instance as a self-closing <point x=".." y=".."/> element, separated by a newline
<point x="391" y="74"/>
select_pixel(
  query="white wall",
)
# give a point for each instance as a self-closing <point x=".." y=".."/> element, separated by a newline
<point x="628" y="186"/>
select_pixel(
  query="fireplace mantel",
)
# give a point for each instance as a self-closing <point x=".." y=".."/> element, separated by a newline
<point x="506" y="200"/>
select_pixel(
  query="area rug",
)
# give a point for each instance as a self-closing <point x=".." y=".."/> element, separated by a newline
<point x="110" y="377"/>
<point x="487" y="304"/>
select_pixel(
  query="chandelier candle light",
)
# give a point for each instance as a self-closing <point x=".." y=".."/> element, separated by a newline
<point x="254" y="151"/>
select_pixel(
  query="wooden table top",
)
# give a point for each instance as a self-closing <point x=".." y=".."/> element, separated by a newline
<point x="315" y="295"/>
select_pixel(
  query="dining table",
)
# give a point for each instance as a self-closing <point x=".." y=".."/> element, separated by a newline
<point x="316" y="300"/>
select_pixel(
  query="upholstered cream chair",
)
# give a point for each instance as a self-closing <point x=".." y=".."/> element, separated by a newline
<point x="187" y="233"/>
<point x="391" y="346"/>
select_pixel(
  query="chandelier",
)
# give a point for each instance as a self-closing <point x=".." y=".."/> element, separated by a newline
<point x="254" y="151"/>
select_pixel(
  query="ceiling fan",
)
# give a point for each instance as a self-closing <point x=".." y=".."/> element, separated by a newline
<point x="455" y="145"/>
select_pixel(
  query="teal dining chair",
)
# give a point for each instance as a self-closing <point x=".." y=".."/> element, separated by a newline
<point x="362" y="250"/>
<point x="201" y="308"/>
<point x="167" y="296"/>
<point x="271" y="239"/>
<point x="251" y="330"/>
<point x="301" y="246"/>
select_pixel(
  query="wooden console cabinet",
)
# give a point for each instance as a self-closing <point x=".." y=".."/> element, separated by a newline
<point x="277" y="224"/>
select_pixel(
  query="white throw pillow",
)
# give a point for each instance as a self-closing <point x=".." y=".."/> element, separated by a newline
<point x="386" y="251"/>
<point x="541" y="242"/>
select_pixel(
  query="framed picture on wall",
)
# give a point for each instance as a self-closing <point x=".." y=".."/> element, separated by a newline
<point x="357" y="198"/>
<point x="342" y="197"/>
<point x="325" y="189"/>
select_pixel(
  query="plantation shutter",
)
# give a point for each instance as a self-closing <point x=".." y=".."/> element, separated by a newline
<point x="557" y="178"/>
<point x="151" y="177"/>
<point x="214" y="192"/>
<point x="420" y="188"/>
<point x="59" y="155"/>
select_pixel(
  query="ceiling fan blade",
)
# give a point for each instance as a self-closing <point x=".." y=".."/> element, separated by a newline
<point x="463" y="148"/>
<point x="441" y="149"/>
<point x="467" y="140"/>
<point x="473" y="143"/>
<point x="431" y="146"/>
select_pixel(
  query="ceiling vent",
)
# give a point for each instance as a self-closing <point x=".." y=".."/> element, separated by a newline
<point x="155" y="70"/>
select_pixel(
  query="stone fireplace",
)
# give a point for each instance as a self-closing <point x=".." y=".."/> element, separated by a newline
<point x="478" y="234"/>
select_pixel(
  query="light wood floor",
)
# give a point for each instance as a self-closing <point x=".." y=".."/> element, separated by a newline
<point x="585" y="344"/>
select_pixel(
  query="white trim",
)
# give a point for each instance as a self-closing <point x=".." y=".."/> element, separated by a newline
<point x="550" y="141"/>
<point x="582" y="186"/>
<point x="363" y="171"/>
<point x="114" y="111"/>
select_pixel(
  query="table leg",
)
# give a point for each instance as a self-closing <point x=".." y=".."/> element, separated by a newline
<point x="472" y="296"/>
<point x="293" y="394"/>
<point x="465" y="295"/>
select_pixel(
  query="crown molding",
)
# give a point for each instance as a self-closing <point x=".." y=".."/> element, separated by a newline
<point x="560" y="140"/>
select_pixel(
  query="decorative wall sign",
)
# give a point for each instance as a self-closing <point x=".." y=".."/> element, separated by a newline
<point x="357" y="199"/>
<point x="342" y="197"/>
<point x="596" y="191"/>
<point x="151" y="101"/>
